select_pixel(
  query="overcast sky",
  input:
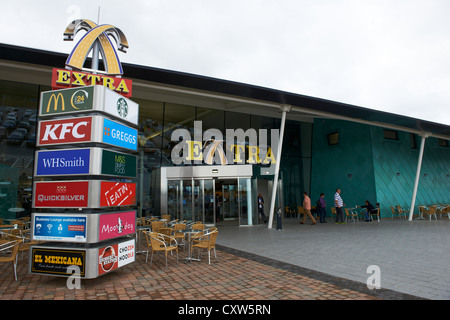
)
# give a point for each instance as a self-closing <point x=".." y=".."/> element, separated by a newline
<point x="390" y="55"/>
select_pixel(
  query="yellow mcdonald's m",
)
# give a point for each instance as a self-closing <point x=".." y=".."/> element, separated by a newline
<point x="55" y="98"/>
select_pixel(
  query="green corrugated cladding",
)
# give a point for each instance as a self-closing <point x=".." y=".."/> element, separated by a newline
<point x="347" y="166"/>
<point x="381" y="170"/>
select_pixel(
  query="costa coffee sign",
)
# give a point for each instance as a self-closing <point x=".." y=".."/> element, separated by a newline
<point x="87" y="129"/>
<point x="83" y="194"/>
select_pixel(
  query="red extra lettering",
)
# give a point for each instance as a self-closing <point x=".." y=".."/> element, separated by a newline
<point x="65" y="131"/>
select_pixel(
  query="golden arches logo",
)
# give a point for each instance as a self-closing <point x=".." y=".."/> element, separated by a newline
<point x="55" y="98"/>
<point x="99" y="34"/>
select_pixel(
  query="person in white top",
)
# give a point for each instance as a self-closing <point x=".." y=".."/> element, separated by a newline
<point x="339" y="205"/>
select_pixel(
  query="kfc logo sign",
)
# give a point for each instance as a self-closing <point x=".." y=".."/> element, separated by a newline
<point x="65" y="131"/>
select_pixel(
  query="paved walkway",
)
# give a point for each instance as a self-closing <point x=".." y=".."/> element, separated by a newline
<point x="325" y="261"/>
<point x="412" y="256"/>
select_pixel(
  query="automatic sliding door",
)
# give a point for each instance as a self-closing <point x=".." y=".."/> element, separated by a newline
<point x="186" y="200"/>
<point x="208" y="196"/>
<point x="173" y="198"/>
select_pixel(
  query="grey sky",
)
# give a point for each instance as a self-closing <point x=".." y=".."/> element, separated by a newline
<point x="390" y="55"/>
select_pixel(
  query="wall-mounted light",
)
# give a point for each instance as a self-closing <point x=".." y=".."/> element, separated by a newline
<point x="215" y="170"/>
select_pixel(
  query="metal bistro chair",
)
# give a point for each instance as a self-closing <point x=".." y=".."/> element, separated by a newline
<point x="178" y="234"/>
<point x="375" y="212"/>
<point x="333" y="212"/>
<point x="14" y="246"/>
<point x="352" y="214"/>
<point x="158" y="244"/>
<point x="395" y="212"/>
<point x="156" y="225"/>
<point x="431" y="211"/>
<point x="207" y="242"/>
<point x="401" y="211"/>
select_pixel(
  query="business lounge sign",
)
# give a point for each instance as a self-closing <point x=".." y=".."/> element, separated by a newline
<point x="60" y="227"/>
<point x="84" y="161"/>
<point x="86" y="130"/>
<point x="83" y="194"/>
<point x="83" y="228"/>
<point x="88" y="99"/>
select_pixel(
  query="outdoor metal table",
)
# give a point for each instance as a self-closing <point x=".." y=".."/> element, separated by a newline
<point x="139" y="230"/>
<point x="189" y="233"/>
<point x="421" y="213"/>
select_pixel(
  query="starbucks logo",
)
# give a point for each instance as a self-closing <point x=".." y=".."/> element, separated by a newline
<point x="122" y="108"/>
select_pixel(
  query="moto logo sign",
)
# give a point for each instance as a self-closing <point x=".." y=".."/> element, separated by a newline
<point x="65" y="131"/>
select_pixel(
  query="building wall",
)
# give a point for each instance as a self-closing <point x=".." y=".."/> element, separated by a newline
<point x="382" y="170"/>
<point x="395" y="164"/>
<point x="347" y="165"/>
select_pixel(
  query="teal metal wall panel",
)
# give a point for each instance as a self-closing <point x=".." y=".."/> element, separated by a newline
<point x="332" y="165"/>
<point x="382" y="170"/>
<point x="395" y="164"/>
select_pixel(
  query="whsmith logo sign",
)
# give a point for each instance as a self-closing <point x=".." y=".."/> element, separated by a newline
<point x="88" y="99"/>
<point x="87" y="161"/>
<point x="239" y="147"/>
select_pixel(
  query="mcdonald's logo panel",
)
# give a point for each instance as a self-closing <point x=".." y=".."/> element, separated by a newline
<point x="66" y="101"/>
<point x="87" y="99"/>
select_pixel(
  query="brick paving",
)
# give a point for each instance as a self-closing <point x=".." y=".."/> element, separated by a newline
<point x="240" y="274"/>
<point x="231" y="277"/>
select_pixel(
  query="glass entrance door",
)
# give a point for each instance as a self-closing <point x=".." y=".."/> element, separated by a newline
<point x="220" y="202"/>
<point x="208" y="196"/>
<point x="227" y="196"/>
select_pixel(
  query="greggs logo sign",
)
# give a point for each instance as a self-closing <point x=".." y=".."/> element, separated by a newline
<point x="63" y="78"/>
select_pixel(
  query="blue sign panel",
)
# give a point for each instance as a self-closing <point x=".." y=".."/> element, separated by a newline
<point x="60" y="228"/>
<point x="119" y="135"/>
<point x="63" y="162"/>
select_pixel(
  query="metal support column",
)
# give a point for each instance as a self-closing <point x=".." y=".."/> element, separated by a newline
<point x="416" y="183"/>
<point x="277" y="166"/>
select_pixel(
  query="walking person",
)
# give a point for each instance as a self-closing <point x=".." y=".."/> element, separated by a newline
<point x="321" y="205"/>
<point x="339" y="205"/>
<point x="261" y="207"/>
<point x="307" y="207"/>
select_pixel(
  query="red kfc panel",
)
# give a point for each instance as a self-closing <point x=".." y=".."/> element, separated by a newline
<point x="65" y="131"/>
<point x="61" y="194"/>
<point x="114" y="194"/>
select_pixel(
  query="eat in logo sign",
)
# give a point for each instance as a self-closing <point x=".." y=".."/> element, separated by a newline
<point x="65" y="131"/>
